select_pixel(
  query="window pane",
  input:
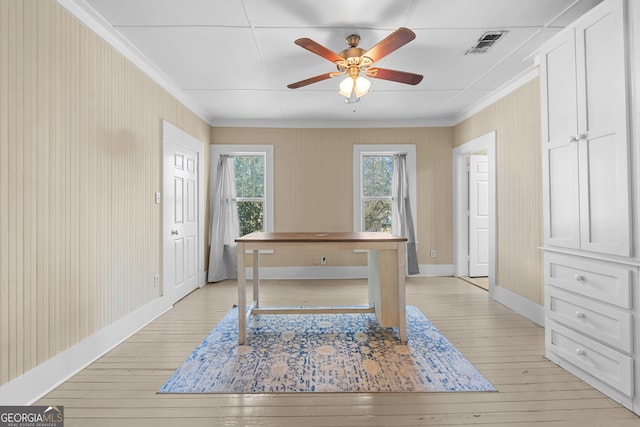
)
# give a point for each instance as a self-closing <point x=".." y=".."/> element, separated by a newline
<point x="377" y="215"/>
<point x="250" y="216"/>
<point x="377" y="173"/>
<point x="249" y="172"/>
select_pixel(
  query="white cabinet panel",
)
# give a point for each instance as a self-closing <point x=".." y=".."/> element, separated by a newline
<point x="562" y="215"/>
<point x="608" y="324"/>
<point x="600" y="280"/>
<point x="605" y="199"/>
<point x="585" y="136"/>
<point x="602" y="129"/>
<point x="604" y="363"/>
<point x="558" y="84"/>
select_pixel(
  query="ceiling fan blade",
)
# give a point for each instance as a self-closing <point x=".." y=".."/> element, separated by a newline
<point x="310" y="80"/>
<point x="318" y="49"/>
<point x="394" y="75"/>
<point x="393" y="41"/>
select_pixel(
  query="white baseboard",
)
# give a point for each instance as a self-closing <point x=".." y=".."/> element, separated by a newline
<point x="338" y="272"/>
<point x="519" y="304"/>
<point x="37" y="382"/>
<point x="436" y="270"/>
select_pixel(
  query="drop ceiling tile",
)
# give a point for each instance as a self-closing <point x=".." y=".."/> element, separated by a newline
<point x="484" y="14"/>
<point x="442" y="60"/>
<point x="388" y="14"/>
<point x="238" y="104"/>
<point x="458" y="104"/>
<point x="203" y="57"/>
<point x="170" y="12"/>
<point x="515" y="65"/>
<point x="395" y="105"/>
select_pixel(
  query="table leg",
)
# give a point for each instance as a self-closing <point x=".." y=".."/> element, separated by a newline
<point x="256" y="277"/>
<point x="242" y="296"/>
<point x="402" y="301"/>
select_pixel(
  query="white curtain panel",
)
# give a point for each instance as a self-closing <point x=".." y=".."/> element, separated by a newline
<point x="403" y="218"/>
<point x="225" y="227"/>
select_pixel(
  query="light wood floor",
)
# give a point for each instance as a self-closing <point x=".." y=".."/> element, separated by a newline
<point x="481" y="282"/>
<point x="120" y="388"/>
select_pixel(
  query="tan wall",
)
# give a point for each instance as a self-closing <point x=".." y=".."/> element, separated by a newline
<point x="80" y="160"/>
<point x="313" y="181"/>
<point x="516" y="119"/>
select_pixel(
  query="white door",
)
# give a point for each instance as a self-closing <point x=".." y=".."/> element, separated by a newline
<point x="478" y="216"/>
<point x="180" y="223"/>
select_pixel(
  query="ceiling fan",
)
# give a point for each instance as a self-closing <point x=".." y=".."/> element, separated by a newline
<point x="353" y="61"/>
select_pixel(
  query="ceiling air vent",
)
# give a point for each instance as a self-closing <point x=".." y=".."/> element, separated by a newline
<point x="487" y="40"/>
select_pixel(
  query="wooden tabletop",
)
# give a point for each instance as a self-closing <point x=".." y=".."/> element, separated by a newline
<point x="320" y="237"/>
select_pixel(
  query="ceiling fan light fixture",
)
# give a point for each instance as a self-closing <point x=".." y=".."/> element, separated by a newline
<point x="360" y="86"/>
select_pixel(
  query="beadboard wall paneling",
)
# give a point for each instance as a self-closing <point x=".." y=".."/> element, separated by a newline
<point x="516" y="119"/>
<point x="313" y="182"/>
<point x="80" y="161"/>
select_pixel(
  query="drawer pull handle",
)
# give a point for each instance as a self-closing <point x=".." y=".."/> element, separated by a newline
<point x="580" y="352"/>
<point x="579" y="277"/>
<point x="580" y="315"/>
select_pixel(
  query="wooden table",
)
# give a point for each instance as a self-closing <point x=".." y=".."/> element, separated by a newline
<point x="386" y="274"/>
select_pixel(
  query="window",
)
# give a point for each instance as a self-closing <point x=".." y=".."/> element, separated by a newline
<point x="253" y="170"/>
<point x="249" y="172"/>
<point x="377" y="175"/>
<point x="373" y="205"/>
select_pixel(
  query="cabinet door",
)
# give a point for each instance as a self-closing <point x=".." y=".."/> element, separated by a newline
<point x="605" y="218"/>
<point x="560" y="151"/>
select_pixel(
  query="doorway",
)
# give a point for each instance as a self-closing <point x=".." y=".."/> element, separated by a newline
<point x="485" y="234"/>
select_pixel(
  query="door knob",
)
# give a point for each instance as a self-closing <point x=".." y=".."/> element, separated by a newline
<point x="174" y="232"/>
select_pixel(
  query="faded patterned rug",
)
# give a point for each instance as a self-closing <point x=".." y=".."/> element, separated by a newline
<point x="325" y="353"/>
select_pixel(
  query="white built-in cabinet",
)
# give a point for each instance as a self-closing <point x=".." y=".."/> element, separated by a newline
<point x="591" y="265"/>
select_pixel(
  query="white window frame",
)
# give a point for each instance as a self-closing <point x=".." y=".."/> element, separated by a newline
<point x="359" y="151"/>
<point x="247" y="150"/>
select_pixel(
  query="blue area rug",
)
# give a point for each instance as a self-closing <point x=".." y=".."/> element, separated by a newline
<point x="325" y="353"/>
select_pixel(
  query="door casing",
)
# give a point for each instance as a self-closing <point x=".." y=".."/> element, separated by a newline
<point x="460" y="196"/>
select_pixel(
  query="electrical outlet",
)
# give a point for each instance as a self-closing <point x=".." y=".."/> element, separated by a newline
<point x="323" y="260"/>
<point x="433" y="253"/>
<point x="156" y="280"/>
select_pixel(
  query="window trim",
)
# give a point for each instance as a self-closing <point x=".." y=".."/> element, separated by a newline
<point x="244" y="150"/>
<point x="386" y="150"/>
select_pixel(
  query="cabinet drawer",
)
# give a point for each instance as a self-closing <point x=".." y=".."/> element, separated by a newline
<point x="600" y="280"/>
<point x="598" y="360"/>
<point x="601" y="321"/>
